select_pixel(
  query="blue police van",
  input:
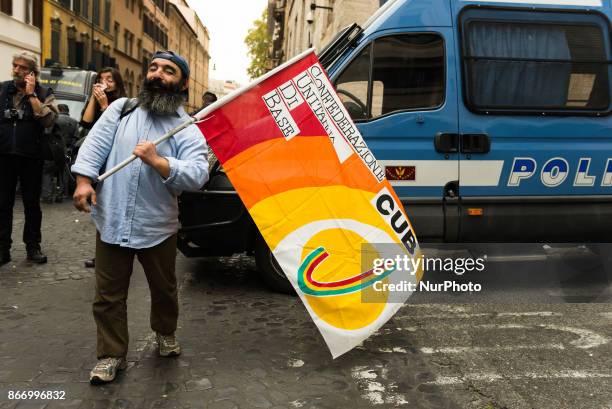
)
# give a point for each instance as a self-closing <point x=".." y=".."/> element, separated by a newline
<point x="492" y="120"/>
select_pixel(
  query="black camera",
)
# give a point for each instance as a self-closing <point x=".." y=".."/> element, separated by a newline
<point x="13" y="113"/>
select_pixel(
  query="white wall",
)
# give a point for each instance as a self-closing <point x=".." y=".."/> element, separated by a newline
<point x="16" y="36"/>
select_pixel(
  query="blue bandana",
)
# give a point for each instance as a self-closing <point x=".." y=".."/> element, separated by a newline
<point x="175" y="58"/>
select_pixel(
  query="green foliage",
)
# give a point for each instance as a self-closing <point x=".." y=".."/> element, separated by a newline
<point x="258" y="42"/>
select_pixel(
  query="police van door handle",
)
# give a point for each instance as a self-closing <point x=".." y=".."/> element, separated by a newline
<point x="475" y="143"/>
<point x="446" y="142"/>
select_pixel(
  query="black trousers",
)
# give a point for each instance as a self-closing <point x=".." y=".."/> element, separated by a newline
<point x="29" y="174"/>
<point x="53" y="181"/>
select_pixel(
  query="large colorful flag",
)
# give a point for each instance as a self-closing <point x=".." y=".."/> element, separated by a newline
<point x="319" y="198"/>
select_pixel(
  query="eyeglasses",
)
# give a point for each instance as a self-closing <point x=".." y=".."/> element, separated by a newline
<point x="21" y="67"/>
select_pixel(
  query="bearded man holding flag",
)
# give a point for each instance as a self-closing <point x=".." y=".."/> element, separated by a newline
<point x="136" y="211"/>
<point x="316" y="193"/>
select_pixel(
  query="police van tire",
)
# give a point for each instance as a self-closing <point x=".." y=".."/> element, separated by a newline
<point x="269" y="270"/>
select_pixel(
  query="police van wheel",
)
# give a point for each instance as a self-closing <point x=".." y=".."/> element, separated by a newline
<point x="269" y="270"/>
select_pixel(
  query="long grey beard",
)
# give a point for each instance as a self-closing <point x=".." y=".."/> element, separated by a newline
<point x="160" y="103"/>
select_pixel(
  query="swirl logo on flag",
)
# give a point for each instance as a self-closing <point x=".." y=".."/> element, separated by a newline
<point x="311" y="286"/>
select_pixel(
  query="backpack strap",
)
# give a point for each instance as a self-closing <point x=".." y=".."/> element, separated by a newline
<point x="129" y="106"/>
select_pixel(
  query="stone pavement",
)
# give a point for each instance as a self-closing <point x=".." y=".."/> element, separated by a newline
<point x="247" y="347"/>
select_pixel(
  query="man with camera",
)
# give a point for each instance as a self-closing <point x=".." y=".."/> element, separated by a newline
<point x="26" y="109"/>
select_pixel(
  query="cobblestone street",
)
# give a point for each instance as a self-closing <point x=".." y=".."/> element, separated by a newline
<point x="247" y="347"/>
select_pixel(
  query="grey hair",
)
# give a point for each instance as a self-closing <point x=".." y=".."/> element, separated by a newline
<point x="30" y="58"/>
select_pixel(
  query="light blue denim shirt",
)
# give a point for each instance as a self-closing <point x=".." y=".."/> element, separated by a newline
<point x="137" y="207"/>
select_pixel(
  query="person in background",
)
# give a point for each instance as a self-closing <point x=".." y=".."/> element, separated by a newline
<point x="207" y="99"/>
<point x="52" y="190"/>
<point x="68" y="125"/>
<point x="109" y="87"/>
<point x="26" y="109"/>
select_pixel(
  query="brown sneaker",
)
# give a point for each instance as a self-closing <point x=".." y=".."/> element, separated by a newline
<point x="106" y="370"/>
<point x="168" y="345"/>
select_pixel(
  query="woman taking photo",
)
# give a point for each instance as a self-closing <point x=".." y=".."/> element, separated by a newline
<point x="108" y="88"/>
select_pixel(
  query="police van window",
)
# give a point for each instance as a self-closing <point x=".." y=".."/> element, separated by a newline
<point x="352" y="85"/>
<point x="394" y="73"/>
<point x="411" y="71"/>
<point x="555" y="64"/>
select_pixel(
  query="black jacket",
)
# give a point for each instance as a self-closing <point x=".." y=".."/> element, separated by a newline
<point x="69" y="127"/>
<point x="20" y="132"/>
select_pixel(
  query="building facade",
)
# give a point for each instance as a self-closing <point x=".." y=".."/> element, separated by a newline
<point x="190" y="39"/>
<point x="127" y="43"/>
<point x="21" y="22"/>
<point x="77" y="33"/>
<point x="155" y="29"/>
<point x="92" y="34"/>
<point x="300" y="24"/>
